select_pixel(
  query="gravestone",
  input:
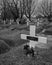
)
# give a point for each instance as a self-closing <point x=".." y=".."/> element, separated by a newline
<point x="11" y="21"/>
<point x="33" y="39"/>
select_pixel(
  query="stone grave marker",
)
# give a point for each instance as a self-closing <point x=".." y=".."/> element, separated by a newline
<point x="33" y="39"/>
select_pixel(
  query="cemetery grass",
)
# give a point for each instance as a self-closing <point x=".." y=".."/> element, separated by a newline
<point x="12" y="35"/>
<point x="16" y="55"/>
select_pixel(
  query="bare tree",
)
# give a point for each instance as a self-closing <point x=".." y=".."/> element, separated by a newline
<point x="46" y="9"/>
<point x="4" y="11"/>
<point x="25" y="6"/>
<point x="30" y="1"/>
<point x="21" y="9"/>
<point x="14" y="10"/>
<point x="9" y="10"/>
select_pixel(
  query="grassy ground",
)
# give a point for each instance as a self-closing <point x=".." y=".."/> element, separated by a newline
<point x="11" y="36"/>
<point x="48" y="29"/>
<point x="16" y="56"/>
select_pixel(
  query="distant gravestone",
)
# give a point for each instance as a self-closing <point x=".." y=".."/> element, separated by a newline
<point x="25" y="20"/>
<point x="4" y="22"/>
<point x="34" y="40"/>
<point x="11" y="21"/>
<point x="7" y="21"/>
<point x="17" y="20"/>
<point x="28" y="21"/>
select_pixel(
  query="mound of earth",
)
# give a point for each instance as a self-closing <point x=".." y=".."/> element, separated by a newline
<point x="3" y="47"/>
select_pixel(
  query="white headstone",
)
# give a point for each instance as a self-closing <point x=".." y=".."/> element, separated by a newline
<point x="23" y="36"/>
<point x="32" y="38"/>
<point x="32" y="33"/>
<point x="42" y="40"/>
<point x="32" y="30"/>
<point x="4" y="21"/>
<point x="27" y="21"/>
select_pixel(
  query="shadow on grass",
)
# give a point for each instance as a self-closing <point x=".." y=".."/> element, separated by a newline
<point x="48" y="33"/>
<point x="14" y="43"/>
<point x="4" y="47"/>
<point x="7" y="44"/>
<point x="20" y="42"/>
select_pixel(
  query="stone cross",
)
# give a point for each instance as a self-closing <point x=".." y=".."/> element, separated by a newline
<point x="33" y="39"/>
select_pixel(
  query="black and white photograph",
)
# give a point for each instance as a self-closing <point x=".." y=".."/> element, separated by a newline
<point x="25" y="32"/>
